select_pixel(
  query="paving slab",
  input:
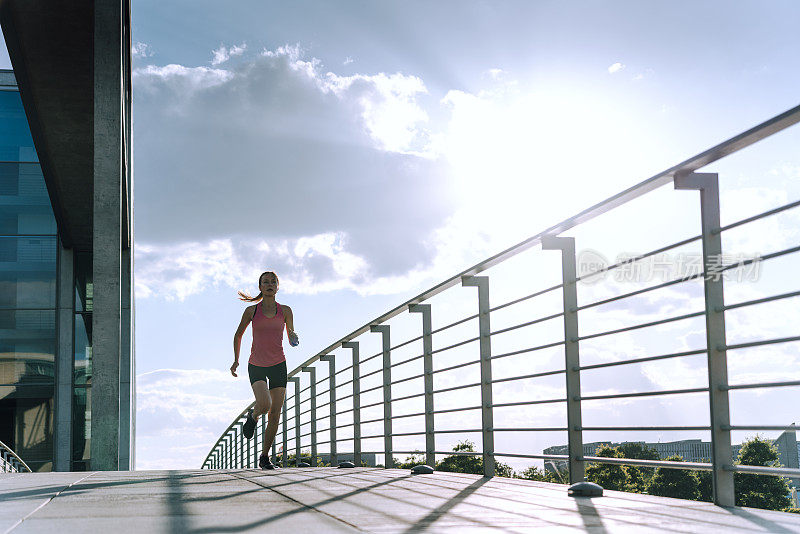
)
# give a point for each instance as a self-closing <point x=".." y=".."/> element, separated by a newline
<point x="320" y="500"/>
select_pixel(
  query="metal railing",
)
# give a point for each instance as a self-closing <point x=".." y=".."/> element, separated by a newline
<point x="233" y="451"/>
<point x="11" y="463"/>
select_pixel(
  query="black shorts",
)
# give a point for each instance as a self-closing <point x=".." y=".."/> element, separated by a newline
<point x="275" y="373"/>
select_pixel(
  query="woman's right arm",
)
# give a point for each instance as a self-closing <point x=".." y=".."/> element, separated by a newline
<point x="247" y="316"/>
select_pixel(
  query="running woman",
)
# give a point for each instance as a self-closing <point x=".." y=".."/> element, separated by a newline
<point x="267" y="362"/>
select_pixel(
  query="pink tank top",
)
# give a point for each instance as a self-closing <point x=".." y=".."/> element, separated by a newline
<point x="267" y="338"/>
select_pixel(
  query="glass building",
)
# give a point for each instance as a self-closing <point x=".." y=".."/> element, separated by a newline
<point x="29" y="288"/>
<point x="67" y="380"/>
<point x="28" y="280"/>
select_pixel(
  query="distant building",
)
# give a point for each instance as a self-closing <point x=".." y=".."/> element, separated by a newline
<point x="691" y="450"/>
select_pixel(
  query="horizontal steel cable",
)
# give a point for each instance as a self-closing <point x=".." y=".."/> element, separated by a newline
<point x="526" y="297"/>
<point x="529" y="323"/>
<point x="696" y="466"/>
<point x="643" y="428"/>
<point x="643" y="325"/>
<point x="761" y="385"/>
<point x="641" y="360"/>
<point x="646" y="394"/>
<point x="524" y="377"/>
<point x="638" y="258"/>
<point x="531" y="349"/>
<point x="758" y="301"/>
<point x="756" y="217"/>
<point x="641" y="291"/>
<point x="760" y="343"/>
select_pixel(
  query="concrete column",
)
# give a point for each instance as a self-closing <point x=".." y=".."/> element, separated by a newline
<point x="107" y="234"/>
<point x="62" y="438"/>
<point x="127" y="370"/>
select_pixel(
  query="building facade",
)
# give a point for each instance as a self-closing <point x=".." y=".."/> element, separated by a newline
<point x="67" y="387"/>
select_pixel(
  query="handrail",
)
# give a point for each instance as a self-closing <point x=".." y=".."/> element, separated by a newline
<point x="9" y="457"/>
<point x="232" y="450"/>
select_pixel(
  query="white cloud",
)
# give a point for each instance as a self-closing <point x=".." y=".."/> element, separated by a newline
<point x="223" y="53"/>
<point x="495" y="74"/>
<point x="347" y="60"/>
<point x="139" y="49"/>
<point x="180" y="79"/>
<point x="616" y="67"/>
<point x="274" y="148"/>
<point x="181" y="413"/>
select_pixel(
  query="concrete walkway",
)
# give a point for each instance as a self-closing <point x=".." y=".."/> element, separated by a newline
<point x="320" y="500"/>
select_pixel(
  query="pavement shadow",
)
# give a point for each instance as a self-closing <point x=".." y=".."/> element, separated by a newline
<point x="762" y="522"/>
<point x="592" y="521"/>
<point x="302" y="507"/>
<point x="438" y="512"/>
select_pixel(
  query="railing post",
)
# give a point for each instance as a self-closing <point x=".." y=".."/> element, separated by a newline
<point x="285" y="452"/>
<point x="356" y="403"/>
<point x="721" y="450"/>
<point x="487" y="419"/>
<point x="296" y="381"/>
<point x="577" y="468"/>
<point x="332" y="404"/>
<point x="427" y="352"/>
<point x="385" y="332"/>
<point x="240" y="452"/>
<point x="264" y="434"/>
<point x="313" y="376"/>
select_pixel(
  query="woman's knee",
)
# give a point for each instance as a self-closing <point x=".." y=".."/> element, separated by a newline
<point x="274" y="412"/>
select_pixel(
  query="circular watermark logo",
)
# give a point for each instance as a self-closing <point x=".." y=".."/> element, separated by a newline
<point x="591" y="266"/>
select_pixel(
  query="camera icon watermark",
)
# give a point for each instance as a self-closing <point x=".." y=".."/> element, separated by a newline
<point x="593" y="267"/>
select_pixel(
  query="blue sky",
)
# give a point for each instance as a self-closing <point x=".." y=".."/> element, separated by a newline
<point x="367" y="150"/>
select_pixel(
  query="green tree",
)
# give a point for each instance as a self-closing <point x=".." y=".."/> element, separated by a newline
<point x="609" y="476"/>
<point x="760" y="491"/>
<point x="542" y="475"/>
<point x="463" y="463"/>
<point x="706" y="486"/>
<point x="677" y="483"/>
<point x="638" y="477"/>
<point x="411" y="461"/>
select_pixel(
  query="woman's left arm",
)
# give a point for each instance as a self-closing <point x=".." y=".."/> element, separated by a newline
<point x="288" y="318"/>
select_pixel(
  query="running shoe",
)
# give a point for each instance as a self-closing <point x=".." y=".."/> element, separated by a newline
<point x="265" y="463"/>
<point x="249" y="425"/>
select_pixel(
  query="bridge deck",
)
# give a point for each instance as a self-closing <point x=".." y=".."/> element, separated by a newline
<point x="343" y="500"/>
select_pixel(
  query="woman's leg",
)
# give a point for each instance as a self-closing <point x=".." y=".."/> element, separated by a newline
<point x="273" y="417"/>
<point x="262" y="398"/>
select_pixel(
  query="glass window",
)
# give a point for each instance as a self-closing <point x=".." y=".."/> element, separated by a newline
<point x="84" y="289"/>
<point x="27" y="346"/>
<point x="83" y="349"/>
<point x="28" y="272"/>
<point x="26" y="423"/>
<point x="24" y="201"/>
<point x="81" y="428"/>
<point x="16" y="143"/>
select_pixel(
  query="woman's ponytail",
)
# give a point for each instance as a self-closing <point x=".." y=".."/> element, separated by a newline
<point x="248" y="298"/>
